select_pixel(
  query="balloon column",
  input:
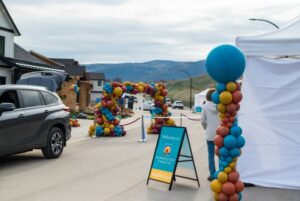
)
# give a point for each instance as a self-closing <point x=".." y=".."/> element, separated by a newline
<point x="225" y="64"/>
<point x="107" y="124"/>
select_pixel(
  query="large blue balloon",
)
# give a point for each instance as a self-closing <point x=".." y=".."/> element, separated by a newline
<point x="225" y="63"/>
<point x="230" y="142"/>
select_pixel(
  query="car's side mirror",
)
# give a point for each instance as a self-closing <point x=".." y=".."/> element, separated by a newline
<point x="5" y="107"/>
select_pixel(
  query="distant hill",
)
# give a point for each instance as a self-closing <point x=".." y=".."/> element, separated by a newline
<point x="180" y="89"/>
<point x="149" y="71"/>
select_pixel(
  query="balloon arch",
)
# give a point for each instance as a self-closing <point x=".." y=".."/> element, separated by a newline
<point x="107" y="124"/>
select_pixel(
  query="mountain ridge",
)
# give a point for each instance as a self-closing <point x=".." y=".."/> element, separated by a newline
<point x="149" y="71"/>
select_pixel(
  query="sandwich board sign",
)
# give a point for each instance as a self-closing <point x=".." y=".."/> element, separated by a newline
<point x="172" y="147"/>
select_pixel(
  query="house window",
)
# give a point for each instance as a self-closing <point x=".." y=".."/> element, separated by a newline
<point x="2" y="80"/>
<point x="99" y="83"/>
<point x="2" y="45"/>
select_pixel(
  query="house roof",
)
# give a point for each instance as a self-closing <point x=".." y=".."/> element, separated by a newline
<point x="94" y="76"/>
<point x="45" y="59"/>
<point x="16" y="30"/>
<point x="66" y="62"/>
<point x="21" y="54"/>
<point x="75" y="71"/>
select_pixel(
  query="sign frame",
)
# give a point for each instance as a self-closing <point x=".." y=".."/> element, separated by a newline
<point x="190" y="159"/>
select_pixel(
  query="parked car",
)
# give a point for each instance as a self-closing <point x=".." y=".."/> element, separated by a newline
<point x="148" y="105"/>
<point x="32" y="117"/>
<point x="177" y="104"/>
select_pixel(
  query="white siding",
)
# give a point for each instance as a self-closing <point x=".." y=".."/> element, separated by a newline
<point x="4" y="72"/>
<point x="94" y="96"/>
<point x="4" y="22"/>
<point x="96" y="87"/>
<point x="9" y="43"/>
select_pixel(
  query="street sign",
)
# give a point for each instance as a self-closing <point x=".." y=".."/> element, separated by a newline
<point x="173" y="147"/>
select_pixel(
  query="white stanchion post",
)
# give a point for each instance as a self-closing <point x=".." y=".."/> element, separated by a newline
<point x="143" y="139"/>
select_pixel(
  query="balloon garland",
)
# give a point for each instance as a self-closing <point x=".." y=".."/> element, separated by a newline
<point x="225" y="64"/>
<point x="75" y="88"/>
<point x="107" y="124"/>
<point x="74" y="122"/>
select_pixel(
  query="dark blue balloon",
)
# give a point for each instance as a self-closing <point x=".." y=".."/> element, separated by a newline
<point x="223" y="152"/>
<point x="220" y="87"/>
<point x="235" y="131"/>
<point x="240" y="141"/>
<point x="225" y="63"/>
<point x="228" y="159"/>
<point x="235" y="152"/>
<point x="230" y="141"/>
<point x="215" y="97"/>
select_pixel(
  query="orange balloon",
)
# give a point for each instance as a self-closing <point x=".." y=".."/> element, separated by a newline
<point x="233" y="176"/>
<point x="239" y="186"/>
<point x="222" y="197"/>
<point x="219" y="141"/>
<point x="228" y="188"/>
<point x="234" y="197"/>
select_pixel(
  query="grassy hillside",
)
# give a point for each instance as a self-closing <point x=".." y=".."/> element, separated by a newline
<point x="180" y="89"/>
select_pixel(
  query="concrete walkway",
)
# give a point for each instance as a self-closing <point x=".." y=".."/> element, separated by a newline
<point x="111" y="169"/>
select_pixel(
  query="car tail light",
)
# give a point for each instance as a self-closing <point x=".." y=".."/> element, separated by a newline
<point x="67" y="109"/>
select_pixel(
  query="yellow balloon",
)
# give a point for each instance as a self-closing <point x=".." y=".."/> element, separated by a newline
<point x="111" y="126"/>
<point x="170" y="122"/>
<point x="141" y="88"/>
<point x="222" y="115"/>
<point x="216" y="196"/>
<point x="222" y="177"/>
<point x="118" y="91"/>
<point x="231" y="86"/>
<point x="216" y="186"/>
<point x="232" y="165"/>
<point x="106" y="131"/>
<point x="225" y="97"/>
<point x="228" y="170"/>
<point x="221" y="108"/>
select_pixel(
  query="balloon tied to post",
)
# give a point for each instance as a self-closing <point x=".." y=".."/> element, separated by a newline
<point x="106" y="122"/>
<point x="226" y="64"/>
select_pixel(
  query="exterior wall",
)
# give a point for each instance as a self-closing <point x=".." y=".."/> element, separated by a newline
<point x="94" y="96"/>
<point x="5" y="72"/>
<point x="95" y="85"/>
<point x="68" y="96"/>
<point x="9" y="43"/>
<point x="84" y="94"/>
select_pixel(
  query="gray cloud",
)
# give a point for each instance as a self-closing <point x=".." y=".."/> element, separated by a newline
<point x="93" y="32"/>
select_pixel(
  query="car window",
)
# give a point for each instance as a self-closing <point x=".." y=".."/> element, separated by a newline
<point x="31" y="98"/>
<point x="10" y="97"/>
<point x="49" y="98"/>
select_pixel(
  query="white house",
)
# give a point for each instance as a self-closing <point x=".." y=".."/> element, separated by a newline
<point x="97" y="81"/>
<point x="8" y="30"/>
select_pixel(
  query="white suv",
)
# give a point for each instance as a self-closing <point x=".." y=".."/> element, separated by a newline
<point x="177" y="104"/>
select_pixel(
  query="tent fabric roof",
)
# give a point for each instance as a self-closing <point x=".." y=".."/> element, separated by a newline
<point x="281" y="42"/>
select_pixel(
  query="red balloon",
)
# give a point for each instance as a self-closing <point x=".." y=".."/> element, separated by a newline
<point x="155" y="131"/>
<point x="237" y="107"/>
<point x="164" y="92"/>
<point x="231" y="119"/>
<point x="233" y="176"/>
<point x="223" y="131"/>
<point x="231" y="108"/>
<point x="124" y="88"/>
<point x="124" y="133"/>
<point x="103" y="104"/>
<point x="116" y="122"/>
<point x="223" y="197"/>
<point x="225" y="120"/>
<point x="110" y="103"/>
<point x="237" y="97"/>
<point x="99" y="121"/>
<point x="228" y="125"/>
<point x="228" y="188"/>
<point x="239" y="186"/>
<point x="219" y="141"/>
<point x="158" y="126"/>
<point x="153" y="126"/>
<point x="234" y="197"/>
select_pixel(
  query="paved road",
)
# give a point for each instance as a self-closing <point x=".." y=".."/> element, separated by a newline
<point x="110" y="169"/>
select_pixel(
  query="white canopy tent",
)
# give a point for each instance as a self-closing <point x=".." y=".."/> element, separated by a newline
<point x="200" y="98"/>
<point x="281" y="42"/>
<point x="270" y="110"/>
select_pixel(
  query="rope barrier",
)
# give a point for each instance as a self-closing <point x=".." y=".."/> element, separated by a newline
<point x="131" y="122"/>
<point x="191" y="118"/>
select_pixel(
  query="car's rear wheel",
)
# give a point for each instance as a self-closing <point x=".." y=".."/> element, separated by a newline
<point x="55" y="143"/>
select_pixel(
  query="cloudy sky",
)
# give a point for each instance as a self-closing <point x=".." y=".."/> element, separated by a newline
<point x="141" y="30"/>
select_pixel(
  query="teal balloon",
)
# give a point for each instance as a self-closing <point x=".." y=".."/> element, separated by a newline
<point x="220" y="87"/>
<point x="240" y="196"/>
<point x="225" y="63"/>
<point x="215" y="97"/>
<point x="235" y="152"/>
<point x="236" y="131"/>
<point x="223" y="152"/>
<point x="99" y="131"/>
<point x="230" y="142"/>
<point x="240" y="141"/>
<point x="228" y="159"/>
